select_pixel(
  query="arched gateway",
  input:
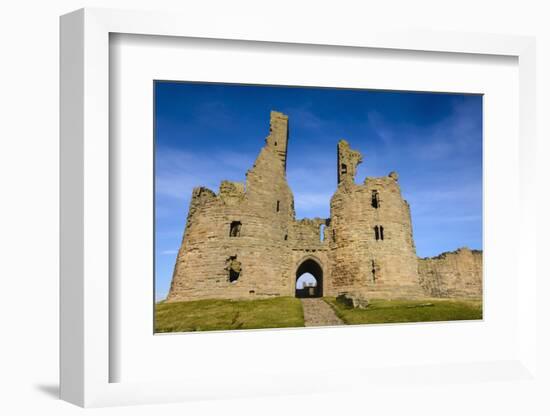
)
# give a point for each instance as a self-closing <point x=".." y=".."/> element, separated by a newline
<point x="312" y="266"/>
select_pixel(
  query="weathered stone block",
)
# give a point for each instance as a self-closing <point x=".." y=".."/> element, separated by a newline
<point x="353" y="301"/>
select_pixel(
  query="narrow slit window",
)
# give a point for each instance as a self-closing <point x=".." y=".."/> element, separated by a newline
<point x="373" y="265"/>
<point x="278" y="206"/>
<point x="381" y="233"/>
<point x="235" y="229"/>
<point x="375" y="201"/>
<point x="376" y="233"/>
<point x="322" y="232"/>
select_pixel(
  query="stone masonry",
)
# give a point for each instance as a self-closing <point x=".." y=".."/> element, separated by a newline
<point x="454" y="274"/>
<point x="244" y="242"/>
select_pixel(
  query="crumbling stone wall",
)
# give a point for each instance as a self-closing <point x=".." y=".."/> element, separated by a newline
<point x="245" y="242"/>
<point x="263" y="210"/>
<point x="456" y="274"/>
<point x="371" y="249"/>
<point x="308" y="240"/>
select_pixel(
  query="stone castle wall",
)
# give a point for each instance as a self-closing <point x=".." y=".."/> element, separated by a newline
<point x="245" y="242"/>
<point x="261" y="212"/>
<point x="309" y="243"/>
<point x="455" y="274"/>
<point x="371" y="249"/>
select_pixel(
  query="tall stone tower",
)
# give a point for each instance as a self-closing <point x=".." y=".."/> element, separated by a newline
<point x="235" y="243"/>
<point x="371" y="246"/>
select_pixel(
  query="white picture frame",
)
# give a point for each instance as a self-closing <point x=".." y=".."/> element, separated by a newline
<point x="85" y="204"/>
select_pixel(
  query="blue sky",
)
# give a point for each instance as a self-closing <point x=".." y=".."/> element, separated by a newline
<point x="205" y="133"/>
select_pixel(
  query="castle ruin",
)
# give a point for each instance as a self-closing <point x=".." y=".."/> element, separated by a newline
<point x="245" y="242"/>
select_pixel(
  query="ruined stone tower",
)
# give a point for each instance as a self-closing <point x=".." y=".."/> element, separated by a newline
<point x="371" y="248"/>
<point x="244" y="242"/>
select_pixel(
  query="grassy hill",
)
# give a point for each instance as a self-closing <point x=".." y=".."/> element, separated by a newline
<point x="211" y="315"/>
<point x="393" y="311"/>
<point x="287" y="312"/>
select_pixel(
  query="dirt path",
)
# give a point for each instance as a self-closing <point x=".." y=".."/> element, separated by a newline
<point x="318" y="313"/>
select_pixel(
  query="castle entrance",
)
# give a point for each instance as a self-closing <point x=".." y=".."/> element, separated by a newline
<point x="309" y="279"/>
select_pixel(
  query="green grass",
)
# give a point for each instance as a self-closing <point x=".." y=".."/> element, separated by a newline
<point x="286" y="312"/>
<point x="211" y="315"/>
<point x="392" y="311"/>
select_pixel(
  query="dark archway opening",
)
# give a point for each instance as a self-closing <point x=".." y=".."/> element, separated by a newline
<point x="308" y="288"/>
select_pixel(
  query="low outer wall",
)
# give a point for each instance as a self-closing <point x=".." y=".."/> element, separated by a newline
<point x="457" y="274"/>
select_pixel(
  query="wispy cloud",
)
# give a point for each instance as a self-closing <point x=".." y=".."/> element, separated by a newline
<point x="465" y="192"/>
<point x="382" y="129"/>
<point x="451" y="219"/>
<point x="178" y="172"/>
<point x="312" y="204"/>
<point x="312" y="179"/>
<point x="456" y="134"/>
<point x="304" y="118"/>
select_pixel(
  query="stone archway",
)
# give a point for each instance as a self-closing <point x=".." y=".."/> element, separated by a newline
<point x="313" y="266"/>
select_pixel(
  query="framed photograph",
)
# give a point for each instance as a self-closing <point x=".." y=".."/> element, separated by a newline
<point x="263" y="210"/>
<point x="300" y="241"/>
